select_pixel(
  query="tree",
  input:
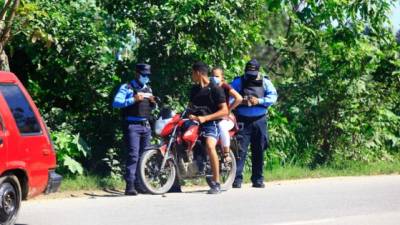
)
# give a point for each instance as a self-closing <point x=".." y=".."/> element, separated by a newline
<point x="330" y="74"/>
<point x="173" y="34"/>
<point x="7" y="15"/>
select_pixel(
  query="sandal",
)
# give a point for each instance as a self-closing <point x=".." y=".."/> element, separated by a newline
<point x="227" y="157"/>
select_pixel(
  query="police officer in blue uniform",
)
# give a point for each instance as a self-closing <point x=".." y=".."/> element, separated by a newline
<point x="136" y="100"/>
<point x="258" y="94"/>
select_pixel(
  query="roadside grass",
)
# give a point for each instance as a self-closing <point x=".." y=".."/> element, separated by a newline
<point x="93" y="182"/>
<point x="90" y="182"/>
<point x="345" y="169"/>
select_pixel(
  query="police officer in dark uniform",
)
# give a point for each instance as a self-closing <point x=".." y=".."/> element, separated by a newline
<point x="136" y="100"/>
<point x="258" y="94"/>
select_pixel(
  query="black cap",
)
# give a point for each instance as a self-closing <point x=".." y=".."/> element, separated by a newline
<point x="143" y="68"/>
<point x="252" y="68"/>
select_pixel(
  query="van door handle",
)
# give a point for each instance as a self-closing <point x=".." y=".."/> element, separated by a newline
<point x="1" y="141"/>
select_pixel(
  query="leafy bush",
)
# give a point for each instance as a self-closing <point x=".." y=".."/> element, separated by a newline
<point x="70" y="150"/>
<point x="70" y="147"/>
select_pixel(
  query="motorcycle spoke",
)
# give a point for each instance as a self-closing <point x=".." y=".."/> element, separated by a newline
<point x="154" y="175"/>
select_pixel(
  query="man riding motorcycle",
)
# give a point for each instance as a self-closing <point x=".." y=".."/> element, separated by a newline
<point x="208" y="106"/>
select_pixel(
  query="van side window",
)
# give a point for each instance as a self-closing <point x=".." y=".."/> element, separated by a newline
<point x="21" y="110"/>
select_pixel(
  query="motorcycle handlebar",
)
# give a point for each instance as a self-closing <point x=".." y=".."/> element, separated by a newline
<point x="194" y="121"/>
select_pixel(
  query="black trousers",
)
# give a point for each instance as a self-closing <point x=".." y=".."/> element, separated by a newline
<point x="253" y="132"/>
<point x="137" y="137"/>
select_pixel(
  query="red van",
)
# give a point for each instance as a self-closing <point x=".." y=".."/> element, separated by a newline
<point x="27" y="156"/>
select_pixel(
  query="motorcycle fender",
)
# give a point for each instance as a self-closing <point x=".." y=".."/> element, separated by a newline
<point x="163" y="149"/>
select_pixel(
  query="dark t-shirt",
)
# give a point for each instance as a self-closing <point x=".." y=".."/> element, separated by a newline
<point x="205" y="101"/>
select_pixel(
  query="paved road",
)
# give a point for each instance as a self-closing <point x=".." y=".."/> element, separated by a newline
<point x="353" y="200"/>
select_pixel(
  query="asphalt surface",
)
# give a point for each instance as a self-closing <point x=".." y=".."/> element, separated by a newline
<point x="330" y="201"/>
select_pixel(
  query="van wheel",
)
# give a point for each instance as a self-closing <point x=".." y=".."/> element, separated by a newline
<point x="10" y="199"/>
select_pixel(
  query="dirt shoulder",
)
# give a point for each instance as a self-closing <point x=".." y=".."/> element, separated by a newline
<point x="114" y="192"/>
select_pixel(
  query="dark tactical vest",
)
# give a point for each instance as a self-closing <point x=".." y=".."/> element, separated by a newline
<point x="142" y="108"/>
<point x="252" y="88"/>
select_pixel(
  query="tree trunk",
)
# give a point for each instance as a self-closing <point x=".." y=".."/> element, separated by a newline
<point x="4" y="64"/>
<point x="7" y="14"/>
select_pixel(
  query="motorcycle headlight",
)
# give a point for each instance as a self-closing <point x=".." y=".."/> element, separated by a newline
<point x="160" y="124"/>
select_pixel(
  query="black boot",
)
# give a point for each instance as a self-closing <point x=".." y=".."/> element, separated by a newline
<point x="130" y="189"/>
<point x="237" y="184"/>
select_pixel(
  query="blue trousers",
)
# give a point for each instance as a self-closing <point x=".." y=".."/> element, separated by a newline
<point x="137" y="138"/>
<point x="253" y="132"/>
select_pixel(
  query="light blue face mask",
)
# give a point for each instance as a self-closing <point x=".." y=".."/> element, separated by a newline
<point x="215" y="80"/>
<point x="144" y="79"/>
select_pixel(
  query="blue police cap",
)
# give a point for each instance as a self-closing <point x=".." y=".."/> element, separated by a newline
<point x="252" y="68"/>
<point x="143" y="68"/>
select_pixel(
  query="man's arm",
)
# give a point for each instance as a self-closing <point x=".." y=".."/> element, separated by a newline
<point x="222" y="112"/>
<point x="270" y="94"/>
<point x="123" y="98"/>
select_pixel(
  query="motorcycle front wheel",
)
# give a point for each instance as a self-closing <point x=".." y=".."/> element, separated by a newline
<point x="154" y="180"/>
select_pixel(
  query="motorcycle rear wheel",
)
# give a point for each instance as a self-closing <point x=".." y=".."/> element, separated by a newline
<point x="155" y="181"/>
<point x="227" y="172"/>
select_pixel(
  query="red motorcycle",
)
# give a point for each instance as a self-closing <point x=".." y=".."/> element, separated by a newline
<point x="182" y="155"/>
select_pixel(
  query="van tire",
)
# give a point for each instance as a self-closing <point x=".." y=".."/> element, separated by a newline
<point x="10" y="199"/>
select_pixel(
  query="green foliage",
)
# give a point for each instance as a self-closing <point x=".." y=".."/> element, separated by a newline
<point x="335" y="63"/>
<point x="113" y="163"/>
<point x="74" y="69"/>
<point x="173" y="34"/>
<point x="338" y="82"/>
<point x="69" y="149"/>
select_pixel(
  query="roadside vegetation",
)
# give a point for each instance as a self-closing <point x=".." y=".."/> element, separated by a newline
<point x="336" y="66"/>
<point x="93" y="182"/>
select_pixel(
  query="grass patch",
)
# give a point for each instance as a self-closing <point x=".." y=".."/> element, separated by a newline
<point x="91" y="182"/>
<point x="346" y="169"/>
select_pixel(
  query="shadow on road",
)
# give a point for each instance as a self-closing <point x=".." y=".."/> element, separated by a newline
<point x="111" y="193"/>
<point x="195" y="192"/>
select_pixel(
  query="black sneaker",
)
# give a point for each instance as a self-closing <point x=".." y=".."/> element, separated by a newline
<point x="259" y="185"/>
<point x="215" y="188"/>
<point x="237" y="185"/>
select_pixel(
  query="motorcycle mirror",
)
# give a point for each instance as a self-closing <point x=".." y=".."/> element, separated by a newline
<point x="166" y="113"/>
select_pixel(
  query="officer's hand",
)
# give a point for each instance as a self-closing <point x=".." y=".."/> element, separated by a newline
<point x="254" y="100"/>
<point x="138" y="97"/>
<point x="152" y="99"/>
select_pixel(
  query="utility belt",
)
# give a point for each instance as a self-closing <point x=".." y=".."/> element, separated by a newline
<point x="139" y="122"/>
<point x="242" y="120"/>
<point x="245" y="119"/>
